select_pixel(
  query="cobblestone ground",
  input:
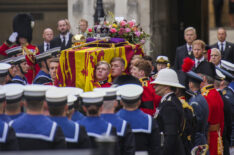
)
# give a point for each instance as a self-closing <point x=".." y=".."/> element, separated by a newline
<point x="213" y="36"/>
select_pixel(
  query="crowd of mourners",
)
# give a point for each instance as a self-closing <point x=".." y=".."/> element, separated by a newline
<point x="184" y="109"/>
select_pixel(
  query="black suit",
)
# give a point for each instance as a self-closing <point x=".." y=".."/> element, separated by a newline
<point x="41" y="48"/>
<point x="228" y="53"/>
<point x="56" y="42"/>
<point x="181" y="53"/>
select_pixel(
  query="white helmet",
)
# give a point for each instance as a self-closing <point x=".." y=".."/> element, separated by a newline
<point x="167" y="77"/>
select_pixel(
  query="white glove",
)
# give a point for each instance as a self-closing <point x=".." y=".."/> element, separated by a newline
<point x="13" y="37"/>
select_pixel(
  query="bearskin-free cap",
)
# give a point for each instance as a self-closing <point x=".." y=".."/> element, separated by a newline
<point x="167" y="77"/>
<point x="226" y="75"/>
<point x="70" y="101"/>
<point x="35" y="90"/>
<point x="14" y="92"/>
<point x="23" y="24"/>
<point x="227" y="66"/>
<point x="110" y="93"/>
<point x="126" y="79"/>
<point x="162" y="59"/>
<point x="130" y="92"/>
<point x="73" y="90"/>
<point x="2" y="95"/>
<point x="56" y="95"/>
<point x="92" y="97"/>
<point x="4" y="68"/>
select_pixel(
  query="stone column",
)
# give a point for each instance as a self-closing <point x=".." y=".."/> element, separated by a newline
<point x="78" y="9"/>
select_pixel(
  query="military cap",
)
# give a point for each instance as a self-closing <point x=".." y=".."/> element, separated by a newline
<point x="92" y="98"/>
<point x="73" y="90"/>
<point x="43" y="56"/>
<point x="206" y="68"/>
<point x="70" y="101"/>
<point x="56" y="97"/>
<point x="35" y="92"/>
<point x="8" y="60"/>
<point x="4" y="69"/>
<point x="110" y="93"/>
<point x="14" y="51"/>
<point x="14" y="92"/>
<point x="19" y="59"/>
<point x="227" y="66"/>
<point x="54" y="51"/>
<point x="194" y="77"/>
<point x="226" y="75"/>
<point x="162" y="59"/>
<point x="130" y="93"/>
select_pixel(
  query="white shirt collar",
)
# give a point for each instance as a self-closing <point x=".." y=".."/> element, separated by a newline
<point x="45" y="45"/>
<point x="219" y="43"/>
<point x="165" y="96"/>
<point x="187" y="45"/>
<point x="202" y="59"/>
<point x="66" y="37"/>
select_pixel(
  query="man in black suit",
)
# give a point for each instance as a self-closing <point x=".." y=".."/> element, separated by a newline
<point x="65" y="38"/>
<point x="226" y="48"/>
<point x="48" y="35"/>
<point x="185" y="50"/>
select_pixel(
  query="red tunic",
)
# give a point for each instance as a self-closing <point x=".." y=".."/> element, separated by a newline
<point x="103" y="84"/>
<point x="216" y="117"/>
<point x="149" y="100"/>
<point x="33" y="68"/>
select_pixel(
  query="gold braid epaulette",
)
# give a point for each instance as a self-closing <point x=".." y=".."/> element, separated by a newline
<point x="29" y="54"/>
<point x="205" y="90"/>
<point x="144" y="81"/>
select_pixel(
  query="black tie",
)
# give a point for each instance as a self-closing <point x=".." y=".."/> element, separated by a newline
<point x="63" y="43"/>
<point x="198" y="62"/>
<point x="47" y="47"/>
<point x="221" y="48"/>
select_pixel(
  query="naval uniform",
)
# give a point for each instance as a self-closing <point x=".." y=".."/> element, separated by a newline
<point x="20" y="80"/>
<point x="124" y="132"/>
<point x="96" y="127"/>
<point x="170" y="119"/>
<point x="145" y="129"/>
<point x="8" y="140"/>
<point x="12" y="117"/>
<point x="37" y="132"/>
<point x="77" y="116"/>
<point x="5" y="118"/>
<point x="201" y="111"/>
<point x="75" y="134"/>
<point x="42" y="78"/>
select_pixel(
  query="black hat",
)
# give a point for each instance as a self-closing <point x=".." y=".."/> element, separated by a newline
<point x="192" y="76"/>
<point x="228" y="76"/>
<point x="43" y="56"/>
<point x="206" y="68"/>
<point x="126" y="79"/>
<point x="23" y="24"/>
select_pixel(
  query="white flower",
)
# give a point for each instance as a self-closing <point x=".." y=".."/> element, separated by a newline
<point x="119" y="19"/>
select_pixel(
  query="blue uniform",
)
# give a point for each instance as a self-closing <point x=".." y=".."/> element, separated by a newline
<point x="20" y="80"/>
<point x="77" y="116"/>
<point x="145" y="129"/>
<point x="12" y="117"/>
<point x="5" y="118"/>
<point x="228" y="93"/>
<point x="36" y="132"/>
<point x="231" y="85"/>
<point x="75" y="134"/>
<point x="42" y="78"/>
<point x="96" y="127"/>
<point x="125" y="136"/>
<point x="201" y="111"/>
<point x="8" y="139"/>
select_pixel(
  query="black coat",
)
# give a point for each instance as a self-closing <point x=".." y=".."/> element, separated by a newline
<point x="41" y="48"/>
<point x="170" y="120"/>
<point x="228" y="53"/>
<point x="56" y="42"/>
<point x="181" y="53"/>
